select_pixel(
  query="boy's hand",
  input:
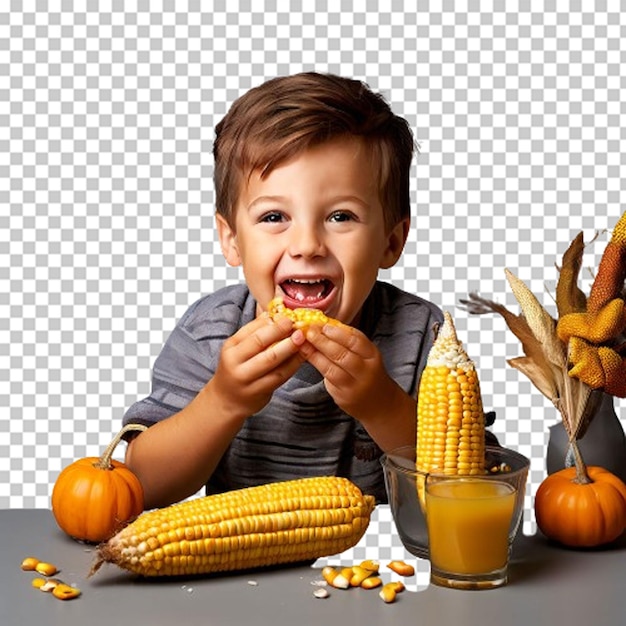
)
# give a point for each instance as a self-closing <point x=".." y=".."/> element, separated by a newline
<point x="353" y="370"/>
<point x="254" y="362"/>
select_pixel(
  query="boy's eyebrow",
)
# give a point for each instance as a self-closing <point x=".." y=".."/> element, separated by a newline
<point x="262" y="199"/>
<point x="283" y="199"/>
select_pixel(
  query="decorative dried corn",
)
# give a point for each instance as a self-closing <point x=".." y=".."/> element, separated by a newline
<point x="270" y="524"/>
<point x="450" y="418"/>
<point x="301" y="317"/>
<point x="593" y="333"/>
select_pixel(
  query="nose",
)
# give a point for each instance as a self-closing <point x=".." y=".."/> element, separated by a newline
<point x="307" y="241"/>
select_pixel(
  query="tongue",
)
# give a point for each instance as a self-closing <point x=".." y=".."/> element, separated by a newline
<point x="304" y="293"/>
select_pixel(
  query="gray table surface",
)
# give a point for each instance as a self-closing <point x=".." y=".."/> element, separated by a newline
<point x="548" y="585"/>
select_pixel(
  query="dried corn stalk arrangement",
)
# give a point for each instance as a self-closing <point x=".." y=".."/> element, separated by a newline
<point x="572" y="360"/>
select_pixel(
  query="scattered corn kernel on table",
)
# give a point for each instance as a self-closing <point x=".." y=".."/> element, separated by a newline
<point x="547" y="585"/>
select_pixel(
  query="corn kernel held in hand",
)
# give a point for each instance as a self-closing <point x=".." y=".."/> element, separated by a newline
<point x="301" y="317"/>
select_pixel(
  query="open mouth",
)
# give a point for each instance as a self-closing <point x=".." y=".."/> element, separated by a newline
<point x="306" y="293"/>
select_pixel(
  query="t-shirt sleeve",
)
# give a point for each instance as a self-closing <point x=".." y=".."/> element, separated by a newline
<point x="189" y="357"/>
<point x="179" y="372"/>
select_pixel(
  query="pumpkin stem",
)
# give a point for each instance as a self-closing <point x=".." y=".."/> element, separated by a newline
<point x="582" y="477"/>
<point x="104" y="462"/>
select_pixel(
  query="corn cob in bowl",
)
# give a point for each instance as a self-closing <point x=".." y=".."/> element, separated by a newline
<point x="450" y="416"/>
<point x="276" y="523"/>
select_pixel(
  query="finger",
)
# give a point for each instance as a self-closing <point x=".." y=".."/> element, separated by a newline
<point x="330" y="359"/>
<point x="340" y="367"/>
<point x="284" y="371"/>
<point x="268" y="381"/>
<point x="338" y="344"/>
<point x="272" y="358"/>
<point x="327" y="368"/>
<point x="259" y="335"/>
<point x="262" y="321"/>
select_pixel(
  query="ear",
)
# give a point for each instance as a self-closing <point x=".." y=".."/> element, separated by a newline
<point x="396" y="238"/>
<point x="228" y="241"/>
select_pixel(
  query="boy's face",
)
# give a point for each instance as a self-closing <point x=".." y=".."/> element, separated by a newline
<point x="313" y="231"/>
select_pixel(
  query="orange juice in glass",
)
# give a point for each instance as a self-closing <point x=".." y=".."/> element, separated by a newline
<point x="471" y="522"/>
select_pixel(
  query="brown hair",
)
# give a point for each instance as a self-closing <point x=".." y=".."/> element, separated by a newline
<point x="284" y="116"/>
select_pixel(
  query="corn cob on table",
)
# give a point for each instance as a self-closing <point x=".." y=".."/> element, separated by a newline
<point x="282" y="522"/>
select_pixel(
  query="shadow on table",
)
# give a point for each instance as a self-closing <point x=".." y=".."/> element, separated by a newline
<point x="110" y="575"/>
<point x="535" y="556"/>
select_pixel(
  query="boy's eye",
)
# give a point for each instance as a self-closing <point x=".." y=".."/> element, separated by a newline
<point x="272" y="217"/>
<point x="341" y="216"/>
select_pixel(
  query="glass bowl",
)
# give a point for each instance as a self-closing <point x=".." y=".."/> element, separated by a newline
<point x="401" y="480"/>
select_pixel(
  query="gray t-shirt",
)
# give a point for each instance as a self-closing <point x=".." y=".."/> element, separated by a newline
<point x="301" y="432"/>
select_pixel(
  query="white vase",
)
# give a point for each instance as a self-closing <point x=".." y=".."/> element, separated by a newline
<point x="604" y="443"/>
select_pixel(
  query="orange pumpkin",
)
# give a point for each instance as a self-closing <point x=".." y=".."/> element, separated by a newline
<point x="93" y="498"/>
<point x="581" y="512"/>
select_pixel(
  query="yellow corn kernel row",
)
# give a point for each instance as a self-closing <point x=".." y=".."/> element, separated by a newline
<point x="301" y="317"/>
<point x="270" y="524"/>
<point x="450" y="417"/>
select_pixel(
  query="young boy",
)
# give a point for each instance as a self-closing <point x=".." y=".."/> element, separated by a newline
<point x="312" y="199"/>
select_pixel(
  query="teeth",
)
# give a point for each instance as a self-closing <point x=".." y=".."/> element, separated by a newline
<point x="303" y="281"/>
<point x="300" y="297"/>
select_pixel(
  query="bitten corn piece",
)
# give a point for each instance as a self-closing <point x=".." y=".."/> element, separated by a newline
<point x="450" y="417"/>
<point x="270" y="524"/>
<point x="301" y="317"/>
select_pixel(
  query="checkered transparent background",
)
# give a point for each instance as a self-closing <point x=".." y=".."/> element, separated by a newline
<point x="107" y="112"/>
